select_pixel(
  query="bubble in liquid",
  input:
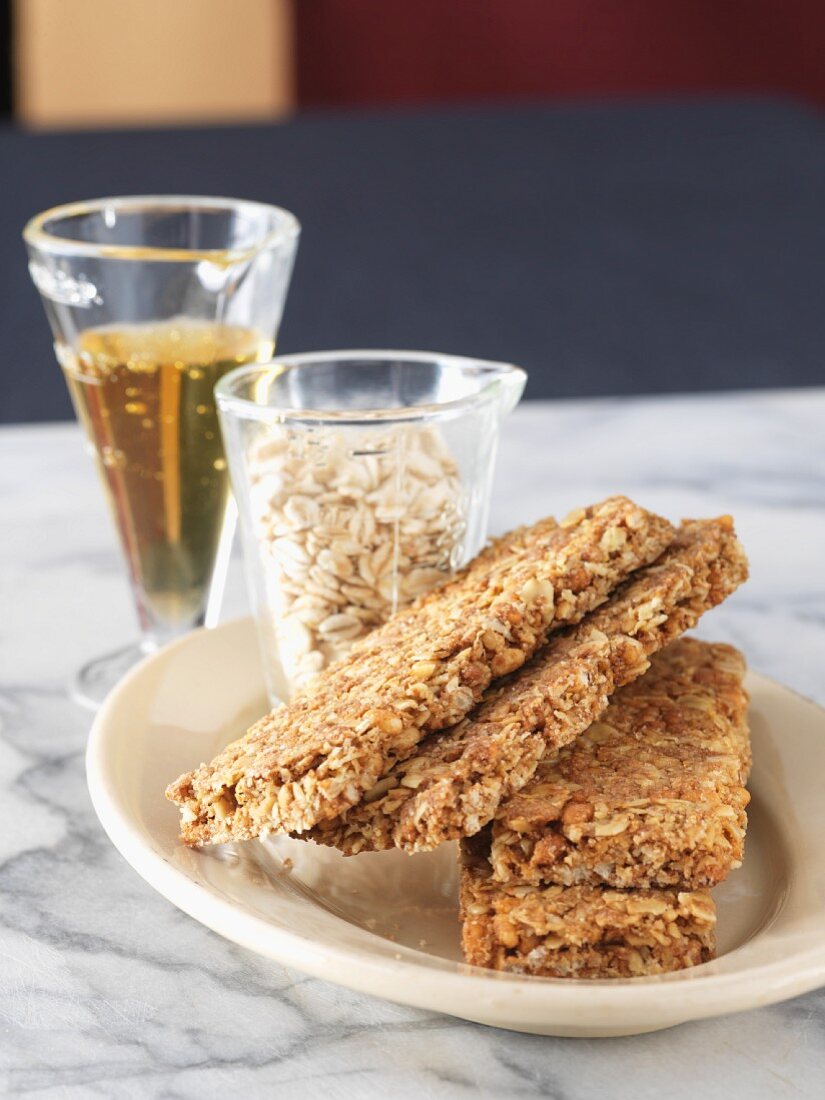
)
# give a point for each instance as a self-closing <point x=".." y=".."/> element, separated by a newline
<point x="132" y="391"/>
<point x="112" y="458"/>
<point x="196" y="373"/>
<point x="201" y="409"/>
<point x="147" y="422"/>
<point x="219" y="463"/>
<point x="135" y="408"/>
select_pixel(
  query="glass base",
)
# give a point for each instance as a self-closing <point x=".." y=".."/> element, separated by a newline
<point x="93" y="682"/>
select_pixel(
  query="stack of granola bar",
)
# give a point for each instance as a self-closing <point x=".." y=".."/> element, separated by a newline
<point x="600" y="865"/>
<point x="590" y="829"/>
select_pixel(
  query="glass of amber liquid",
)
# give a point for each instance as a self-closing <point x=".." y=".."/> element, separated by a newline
<point x="151" y="300"/>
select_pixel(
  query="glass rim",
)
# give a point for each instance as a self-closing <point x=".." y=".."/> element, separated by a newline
<point x="35" y="233"/>
<point x="505" y="377"/>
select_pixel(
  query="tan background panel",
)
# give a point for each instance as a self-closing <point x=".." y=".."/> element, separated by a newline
<point x="133" y="62"/>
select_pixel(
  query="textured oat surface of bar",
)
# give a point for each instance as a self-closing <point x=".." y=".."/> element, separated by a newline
<point x="422" y="672"/>
<point x="579" y="931"/>
<point x="456" y="780"/>
<point x="652" y="794"/>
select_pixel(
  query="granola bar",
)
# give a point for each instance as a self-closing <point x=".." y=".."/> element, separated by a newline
<point x="652" y="794"/>
<point x="579" y="931"/>
<point x="423" y="671"/>
<point x="457" y="779"/>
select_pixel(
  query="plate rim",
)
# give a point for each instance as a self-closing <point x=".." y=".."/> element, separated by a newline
<point x="700" y="996"/>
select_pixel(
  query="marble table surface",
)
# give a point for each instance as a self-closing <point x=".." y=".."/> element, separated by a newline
<point x="107" y="990"/>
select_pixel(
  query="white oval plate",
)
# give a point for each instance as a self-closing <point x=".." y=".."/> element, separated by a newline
<point x="386" y="924"/>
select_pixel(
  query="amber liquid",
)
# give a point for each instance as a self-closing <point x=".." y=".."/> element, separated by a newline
<point x="144" y="393"/>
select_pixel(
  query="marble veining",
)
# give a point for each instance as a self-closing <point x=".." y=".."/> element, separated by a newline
<point x="106" y="990"/>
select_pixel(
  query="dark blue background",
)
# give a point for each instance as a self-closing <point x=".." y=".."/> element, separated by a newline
<point x="634" y="248"/>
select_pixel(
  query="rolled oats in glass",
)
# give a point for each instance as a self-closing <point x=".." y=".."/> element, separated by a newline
<point x="352" y="526"/>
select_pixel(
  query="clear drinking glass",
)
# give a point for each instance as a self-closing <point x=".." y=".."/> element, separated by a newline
<point x="151" y="300"/>
<point x="362" y="478"/>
